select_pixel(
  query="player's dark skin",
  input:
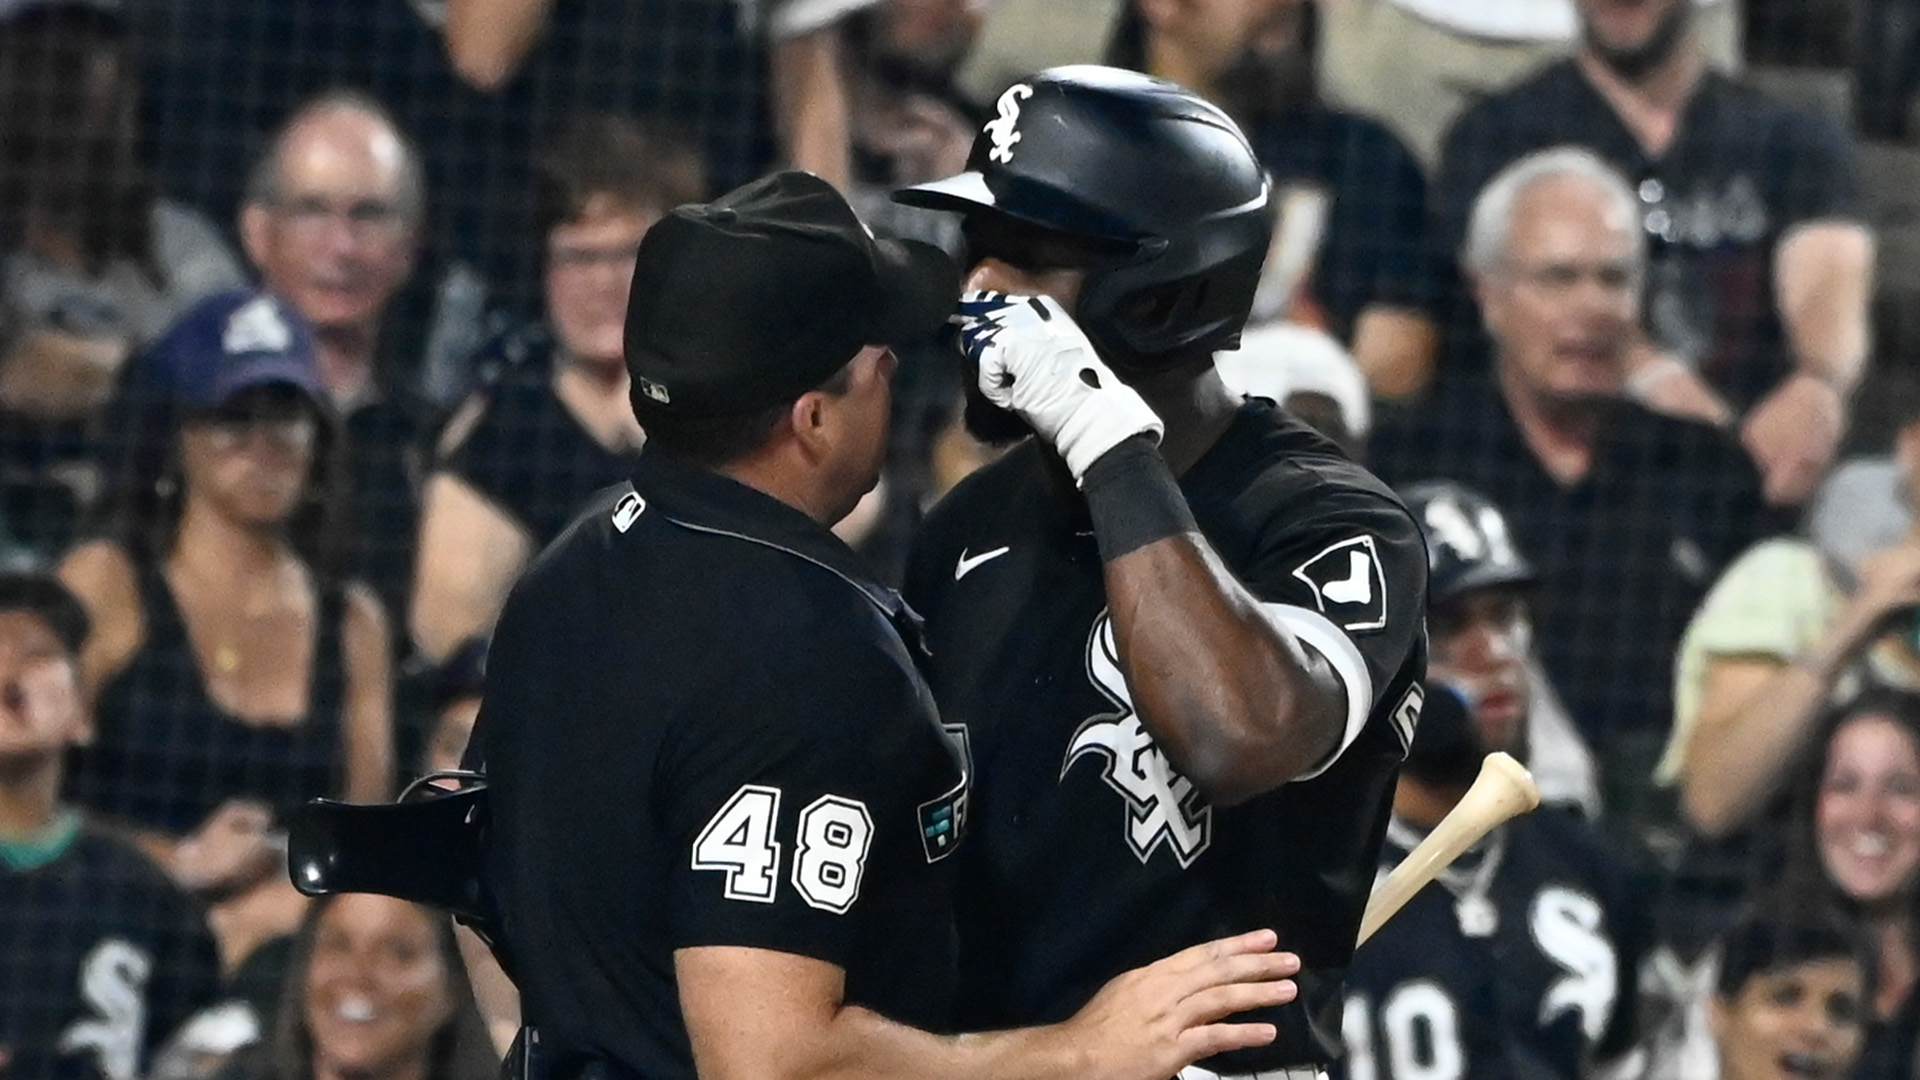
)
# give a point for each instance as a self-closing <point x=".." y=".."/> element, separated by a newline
<point x="1237" y="703"/>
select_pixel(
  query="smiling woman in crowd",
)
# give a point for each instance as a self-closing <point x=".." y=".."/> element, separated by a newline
<point x="375" y="991"/>
<point x="1865" y="840"/>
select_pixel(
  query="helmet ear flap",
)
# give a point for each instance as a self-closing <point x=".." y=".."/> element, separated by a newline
<point x="1139" y="320"/>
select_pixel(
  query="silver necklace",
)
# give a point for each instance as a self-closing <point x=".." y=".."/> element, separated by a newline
<point x="1473" y="907"/>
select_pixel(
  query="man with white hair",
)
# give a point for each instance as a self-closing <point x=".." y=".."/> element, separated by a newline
<point x="1762" y="261"/>
<point x="1629" y="512"/>
<point x="332" y="222"/>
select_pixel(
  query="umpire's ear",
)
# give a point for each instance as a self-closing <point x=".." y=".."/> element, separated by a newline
<point x="811" y="423"/>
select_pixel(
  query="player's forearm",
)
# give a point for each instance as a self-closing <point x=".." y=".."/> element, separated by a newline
<point x="1824" y="277"/>
<point x="1239" y="705"/>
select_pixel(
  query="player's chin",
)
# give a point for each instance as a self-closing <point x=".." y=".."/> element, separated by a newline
<point x="990" y="423"/>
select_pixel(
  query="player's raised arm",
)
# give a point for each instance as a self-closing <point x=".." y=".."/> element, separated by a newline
<point x="1244" y="695"/>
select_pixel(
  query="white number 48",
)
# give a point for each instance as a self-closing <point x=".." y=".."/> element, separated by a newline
<point x="833" y="837"/>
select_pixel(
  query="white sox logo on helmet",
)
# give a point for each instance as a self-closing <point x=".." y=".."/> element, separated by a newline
<point x="1001" y="129"/>
<point x="1162" y="805"/>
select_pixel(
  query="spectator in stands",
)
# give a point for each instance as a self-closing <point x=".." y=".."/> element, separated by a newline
<point x="93" y="264"/>
<point x="1786" y="631"/>
<point x="1485" y="948"/>
<point x="1417" y="64"/>
<point x="375" y="991"/>
<point x="231" y="672"/>
<point x="517" y="458"/>
<point x="1629" y="513"/>
<point x="101" y="956"/>
<point x="331" y="221"/>
<point x="1791" y="997"/>
<point x="803" y="90"/>
<point x="1348" y="256"/>
<point x="1865" y="840"/>
<point x="1762" y="266"/>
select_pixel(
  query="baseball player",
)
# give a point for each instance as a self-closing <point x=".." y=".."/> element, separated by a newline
<point x="1521" y="959"/>
<point x="1181" y="635"/>
<point x="723" y="811"/>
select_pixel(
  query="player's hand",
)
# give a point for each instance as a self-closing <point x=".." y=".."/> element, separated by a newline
<point x="1151" y="1022"/>
<point x="1033" y="360"/>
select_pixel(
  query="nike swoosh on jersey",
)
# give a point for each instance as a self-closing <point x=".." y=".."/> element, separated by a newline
<point x="967" y="562"/>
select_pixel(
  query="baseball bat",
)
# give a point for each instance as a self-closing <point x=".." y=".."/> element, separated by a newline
<point x="1503" y="790"/>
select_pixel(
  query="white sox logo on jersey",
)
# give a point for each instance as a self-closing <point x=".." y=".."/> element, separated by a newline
<point x="1162" y="805"/>
<point x="1001" y="129"/>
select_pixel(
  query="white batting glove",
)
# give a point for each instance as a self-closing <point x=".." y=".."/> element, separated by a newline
<point x="1034" y="361"/>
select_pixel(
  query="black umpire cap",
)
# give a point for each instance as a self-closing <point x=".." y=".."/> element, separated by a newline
<point x="761" y="295"/>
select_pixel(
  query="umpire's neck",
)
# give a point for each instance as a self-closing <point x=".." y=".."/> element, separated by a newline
<point x="1193" y="403"/>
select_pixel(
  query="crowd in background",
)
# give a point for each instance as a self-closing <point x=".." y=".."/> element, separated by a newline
<point x="311" y="321"/>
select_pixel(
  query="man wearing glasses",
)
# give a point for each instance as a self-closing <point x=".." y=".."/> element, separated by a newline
<point x="1631" y="513"/>
<point x="331" y="221"/>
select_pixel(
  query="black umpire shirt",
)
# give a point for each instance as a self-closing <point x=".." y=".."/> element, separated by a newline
<point x="703" y="726"/>
<point x="1088" y="852"/>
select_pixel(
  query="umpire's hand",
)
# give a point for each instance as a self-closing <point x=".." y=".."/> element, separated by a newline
<point x="1151" y="1022"/>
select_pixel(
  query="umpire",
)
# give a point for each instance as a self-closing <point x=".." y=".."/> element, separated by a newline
<point x="722" y="802"/>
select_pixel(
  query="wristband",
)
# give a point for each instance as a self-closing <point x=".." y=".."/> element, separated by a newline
<point x="1134" y="499"/>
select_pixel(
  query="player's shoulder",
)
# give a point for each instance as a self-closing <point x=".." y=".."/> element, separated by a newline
<point x="1276" y="473"/>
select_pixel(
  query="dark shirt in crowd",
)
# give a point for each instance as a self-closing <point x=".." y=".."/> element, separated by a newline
<point x="1625" y="554"/>
<point x="385" y="446"/>
<point x="1373" y="197"/>
<point x="529" y="456"/>
<point x="1741" y="172"/>
<point x="101" y="957"/>
<point x="165" y="755"/>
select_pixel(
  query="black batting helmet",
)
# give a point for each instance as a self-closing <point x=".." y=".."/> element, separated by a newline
<point x="1468" y="545"/>
<point x="1118" y="157"/>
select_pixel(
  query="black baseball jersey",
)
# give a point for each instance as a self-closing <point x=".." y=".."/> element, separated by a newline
<point x="1088" y="853"/>
<point x="101" y="958"/>
<point x="1520" y="963"/>
<point x="703" y="726"/>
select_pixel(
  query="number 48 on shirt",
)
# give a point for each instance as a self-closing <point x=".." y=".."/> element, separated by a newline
<point x="830" y="848"/>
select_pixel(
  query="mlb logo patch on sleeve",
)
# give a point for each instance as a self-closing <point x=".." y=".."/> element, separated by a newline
<point x="1348" y="585"/>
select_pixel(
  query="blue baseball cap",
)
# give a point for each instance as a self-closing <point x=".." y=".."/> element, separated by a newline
<point x="236" y="341"/>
